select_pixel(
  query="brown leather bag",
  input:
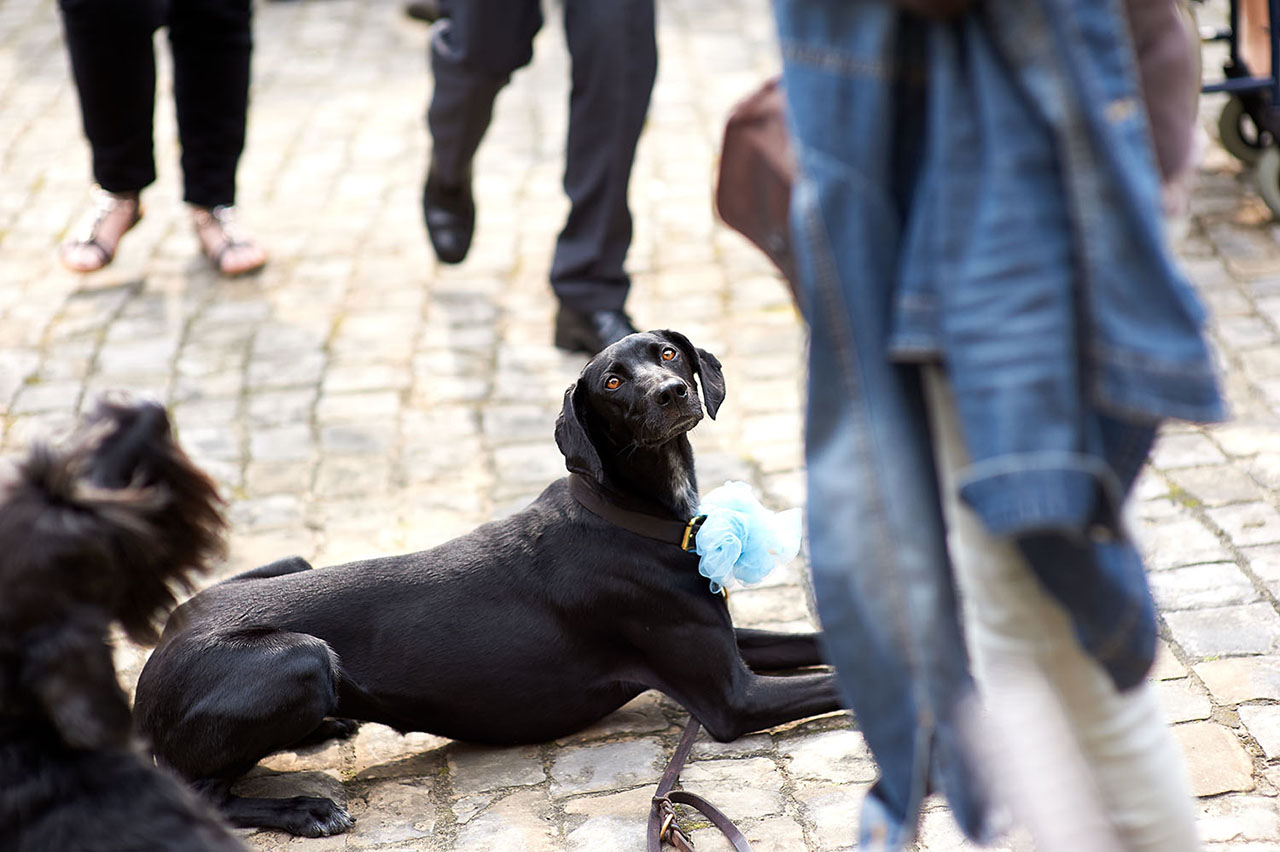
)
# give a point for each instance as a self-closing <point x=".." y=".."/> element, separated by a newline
<point x="753" y="187"/>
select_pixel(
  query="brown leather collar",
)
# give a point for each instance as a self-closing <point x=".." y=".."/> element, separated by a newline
<point x="683" y="534"/>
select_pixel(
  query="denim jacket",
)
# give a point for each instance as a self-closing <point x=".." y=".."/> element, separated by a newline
<point x="979" y="192"/>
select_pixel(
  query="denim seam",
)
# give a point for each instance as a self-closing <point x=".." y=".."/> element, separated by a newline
<point x="828" y="291"/>
<point x="833" y="61"/>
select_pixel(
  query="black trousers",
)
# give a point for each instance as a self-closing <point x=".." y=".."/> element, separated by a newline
<point x="615" y="60"/>
<point x="113" y="62"/>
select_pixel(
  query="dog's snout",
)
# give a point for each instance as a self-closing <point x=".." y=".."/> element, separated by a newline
<point x="672" y="390"/>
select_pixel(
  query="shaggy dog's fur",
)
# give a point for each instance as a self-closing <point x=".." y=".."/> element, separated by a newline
<point x="94" y="533"/>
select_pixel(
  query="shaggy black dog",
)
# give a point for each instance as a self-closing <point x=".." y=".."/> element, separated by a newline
<point x="95" y="533"/>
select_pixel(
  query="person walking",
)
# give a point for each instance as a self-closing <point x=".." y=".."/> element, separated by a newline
<point x="475" y="48"/>
<point x="997" y="330"/>
<point x="113" y="64"/>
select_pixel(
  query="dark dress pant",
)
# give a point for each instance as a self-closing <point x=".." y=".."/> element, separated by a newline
<point x="111" y="44"/>
<point x="614" y="51"/>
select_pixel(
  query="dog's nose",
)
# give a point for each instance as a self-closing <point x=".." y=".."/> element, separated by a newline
<point x="672" y="390"/>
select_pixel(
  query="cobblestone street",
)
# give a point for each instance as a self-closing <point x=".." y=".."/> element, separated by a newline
<point x="357" y="399"/>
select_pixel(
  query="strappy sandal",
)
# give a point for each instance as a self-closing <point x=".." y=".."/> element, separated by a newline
<point x="110" y="217"/>
<point x="226" y="245"/>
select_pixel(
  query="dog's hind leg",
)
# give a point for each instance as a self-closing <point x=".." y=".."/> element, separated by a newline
<point x="212" y="709"/>
<point x="330" y="729"/>
<point x="765" y="650"/>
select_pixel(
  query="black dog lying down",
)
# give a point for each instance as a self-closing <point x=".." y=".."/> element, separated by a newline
<point x="524" y="630"/>
<point x="90" y="535"/>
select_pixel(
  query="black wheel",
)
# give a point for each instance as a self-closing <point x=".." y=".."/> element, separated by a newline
<point x="1240" y="135"/>
<point x="1268" y="177"/>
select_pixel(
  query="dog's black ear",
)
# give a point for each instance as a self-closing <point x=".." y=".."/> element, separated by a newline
<point x="580" y="454"/>
<point x="706" y="365"/>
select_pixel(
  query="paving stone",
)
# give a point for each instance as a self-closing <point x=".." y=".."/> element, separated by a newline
<point x="1246" y="439"/>
<point x="538" y="463"/>
<point x="1264" y="562"/>
<point x="1216" y="486"/>
<point x="832" y="810"/>
<point x="47" y="396"/>
<point x="610" y="766"/>
<point x="1240" y="679"/>
<point x="610" y="823"/>
<point x="1238" y="819"/>
<point x="1216" y="761"/>
<point x="282" y="444"/>
<point x="381" y="752"/>
<point x="1226" y="631"/>
<point x="1263" y="723"/>
<point x="1166" y="666"/>
<point x="836" y="756"/>
<point x="1180" y="701"/>
<point x="474" y="769"/>
<point x="1188" y="449"/>
<point x="743" y="788"/>
<point x="1177" y="541"/>
<point x="1248" y="523"/>
<point x="522" y="820"/>
<point x="939" y="833"/>
<point x="776" y="834"/>
<point x="752" y="607"/>
<point x="281" y="510"/>
<point x="1201" y="586"/>
<point x="393" y="812"/>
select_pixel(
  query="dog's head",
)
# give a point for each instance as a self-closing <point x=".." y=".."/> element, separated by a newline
<point x="638" y="393"/>
<point x="112" y="522"/>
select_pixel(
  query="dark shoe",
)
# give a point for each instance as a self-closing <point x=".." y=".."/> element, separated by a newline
<point x="592" y="331"/>
<point x="424" y="10"/>
<point x="450" y="214"/>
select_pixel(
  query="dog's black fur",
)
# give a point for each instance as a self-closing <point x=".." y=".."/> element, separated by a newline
<point x="526" y="629"/>
<point x="92" y="534"/>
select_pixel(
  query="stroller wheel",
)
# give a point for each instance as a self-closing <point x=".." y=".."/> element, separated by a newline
<point x="1240" y="134"/>
<point x="1268" y="177"/>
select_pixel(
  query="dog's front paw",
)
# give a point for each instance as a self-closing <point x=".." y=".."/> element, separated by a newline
<point x="317" y="817"/>
<point x="314" y="816"/>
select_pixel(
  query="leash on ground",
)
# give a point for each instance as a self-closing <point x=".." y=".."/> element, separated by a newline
<point x="662" y="814"/>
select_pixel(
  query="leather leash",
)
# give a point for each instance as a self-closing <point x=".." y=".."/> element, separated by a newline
<point x="662" y="814"/>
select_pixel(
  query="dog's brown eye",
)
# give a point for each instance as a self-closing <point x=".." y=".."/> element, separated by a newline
<point x="668" y="353"/>
<point x="612" y="382"/>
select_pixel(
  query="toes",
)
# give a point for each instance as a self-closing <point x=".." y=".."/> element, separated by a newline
<point x="345" y="728"/>
<point x="322" y="818"/>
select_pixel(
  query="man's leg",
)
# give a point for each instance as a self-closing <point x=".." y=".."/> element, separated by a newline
<point x="474" y="50"/>
<point x="615" y="62"/>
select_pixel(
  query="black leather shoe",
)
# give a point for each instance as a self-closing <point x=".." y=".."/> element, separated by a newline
<point x="450" y="214"/>
<point x="591" y="331"/>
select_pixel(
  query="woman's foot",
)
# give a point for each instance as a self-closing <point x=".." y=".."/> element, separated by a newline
<point x="94" y="246"/>
<point x="229" y="249"/>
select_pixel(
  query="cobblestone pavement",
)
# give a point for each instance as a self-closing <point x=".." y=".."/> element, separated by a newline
<point x="356" y="399"/>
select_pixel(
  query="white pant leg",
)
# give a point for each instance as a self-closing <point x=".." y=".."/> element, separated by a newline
<point x="1085" y="768"/>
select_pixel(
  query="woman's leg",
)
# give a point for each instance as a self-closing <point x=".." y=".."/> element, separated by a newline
<point x="1082" y="765"/>
<point x="212" y="42"/>
<point x="113" y="64"/>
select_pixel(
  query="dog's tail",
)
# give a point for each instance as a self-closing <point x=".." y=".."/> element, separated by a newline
<point x="120" y="518"/>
